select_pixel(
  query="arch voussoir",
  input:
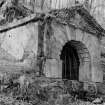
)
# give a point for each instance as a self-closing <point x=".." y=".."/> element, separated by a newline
<point x="79" y="35"/>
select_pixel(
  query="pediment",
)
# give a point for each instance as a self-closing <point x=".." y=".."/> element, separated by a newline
<point x="80" y="18"/>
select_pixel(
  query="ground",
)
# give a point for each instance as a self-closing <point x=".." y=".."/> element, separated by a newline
<point x="29" y="89"/>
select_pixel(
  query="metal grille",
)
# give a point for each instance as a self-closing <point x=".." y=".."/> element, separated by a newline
<point x="73" y="54"/>
<point x="70" y="65"/>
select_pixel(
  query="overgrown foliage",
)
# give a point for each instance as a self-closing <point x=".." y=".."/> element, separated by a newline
<point x="27" y="89"/>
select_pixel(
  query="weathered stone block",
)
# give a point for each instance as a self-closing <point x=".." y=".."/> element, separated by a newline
<point x="53" y="68"/>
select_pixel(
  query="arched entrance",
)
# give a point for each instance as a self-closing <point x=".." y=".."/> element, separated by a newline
<point x="73" y="55"/>
<point x="78" y="50"/>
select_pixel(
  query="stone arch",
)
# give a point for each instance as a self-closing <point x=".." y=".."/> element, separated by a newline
<point x="86" y="45"/>
<point x="65" y="34"/>
<point x="82" y="60"/>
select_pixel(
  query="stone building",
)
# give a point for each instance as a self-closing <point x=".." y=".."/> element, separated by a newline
<point x="63" y="43"/>
<point x="73" y="48"/>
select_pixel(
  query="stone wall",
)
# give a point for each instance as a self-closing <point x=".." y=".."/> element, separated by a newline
<point x="89" y="45"/>
<point x="18" y="48"/>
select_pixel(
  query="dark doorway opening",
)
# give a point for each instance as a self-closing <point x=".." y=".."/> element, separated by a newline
<point x="70" y="62"/>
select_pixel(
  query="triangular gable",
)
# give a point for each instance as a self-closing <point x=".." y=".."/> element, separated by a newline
<point x="80" y="18"/>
